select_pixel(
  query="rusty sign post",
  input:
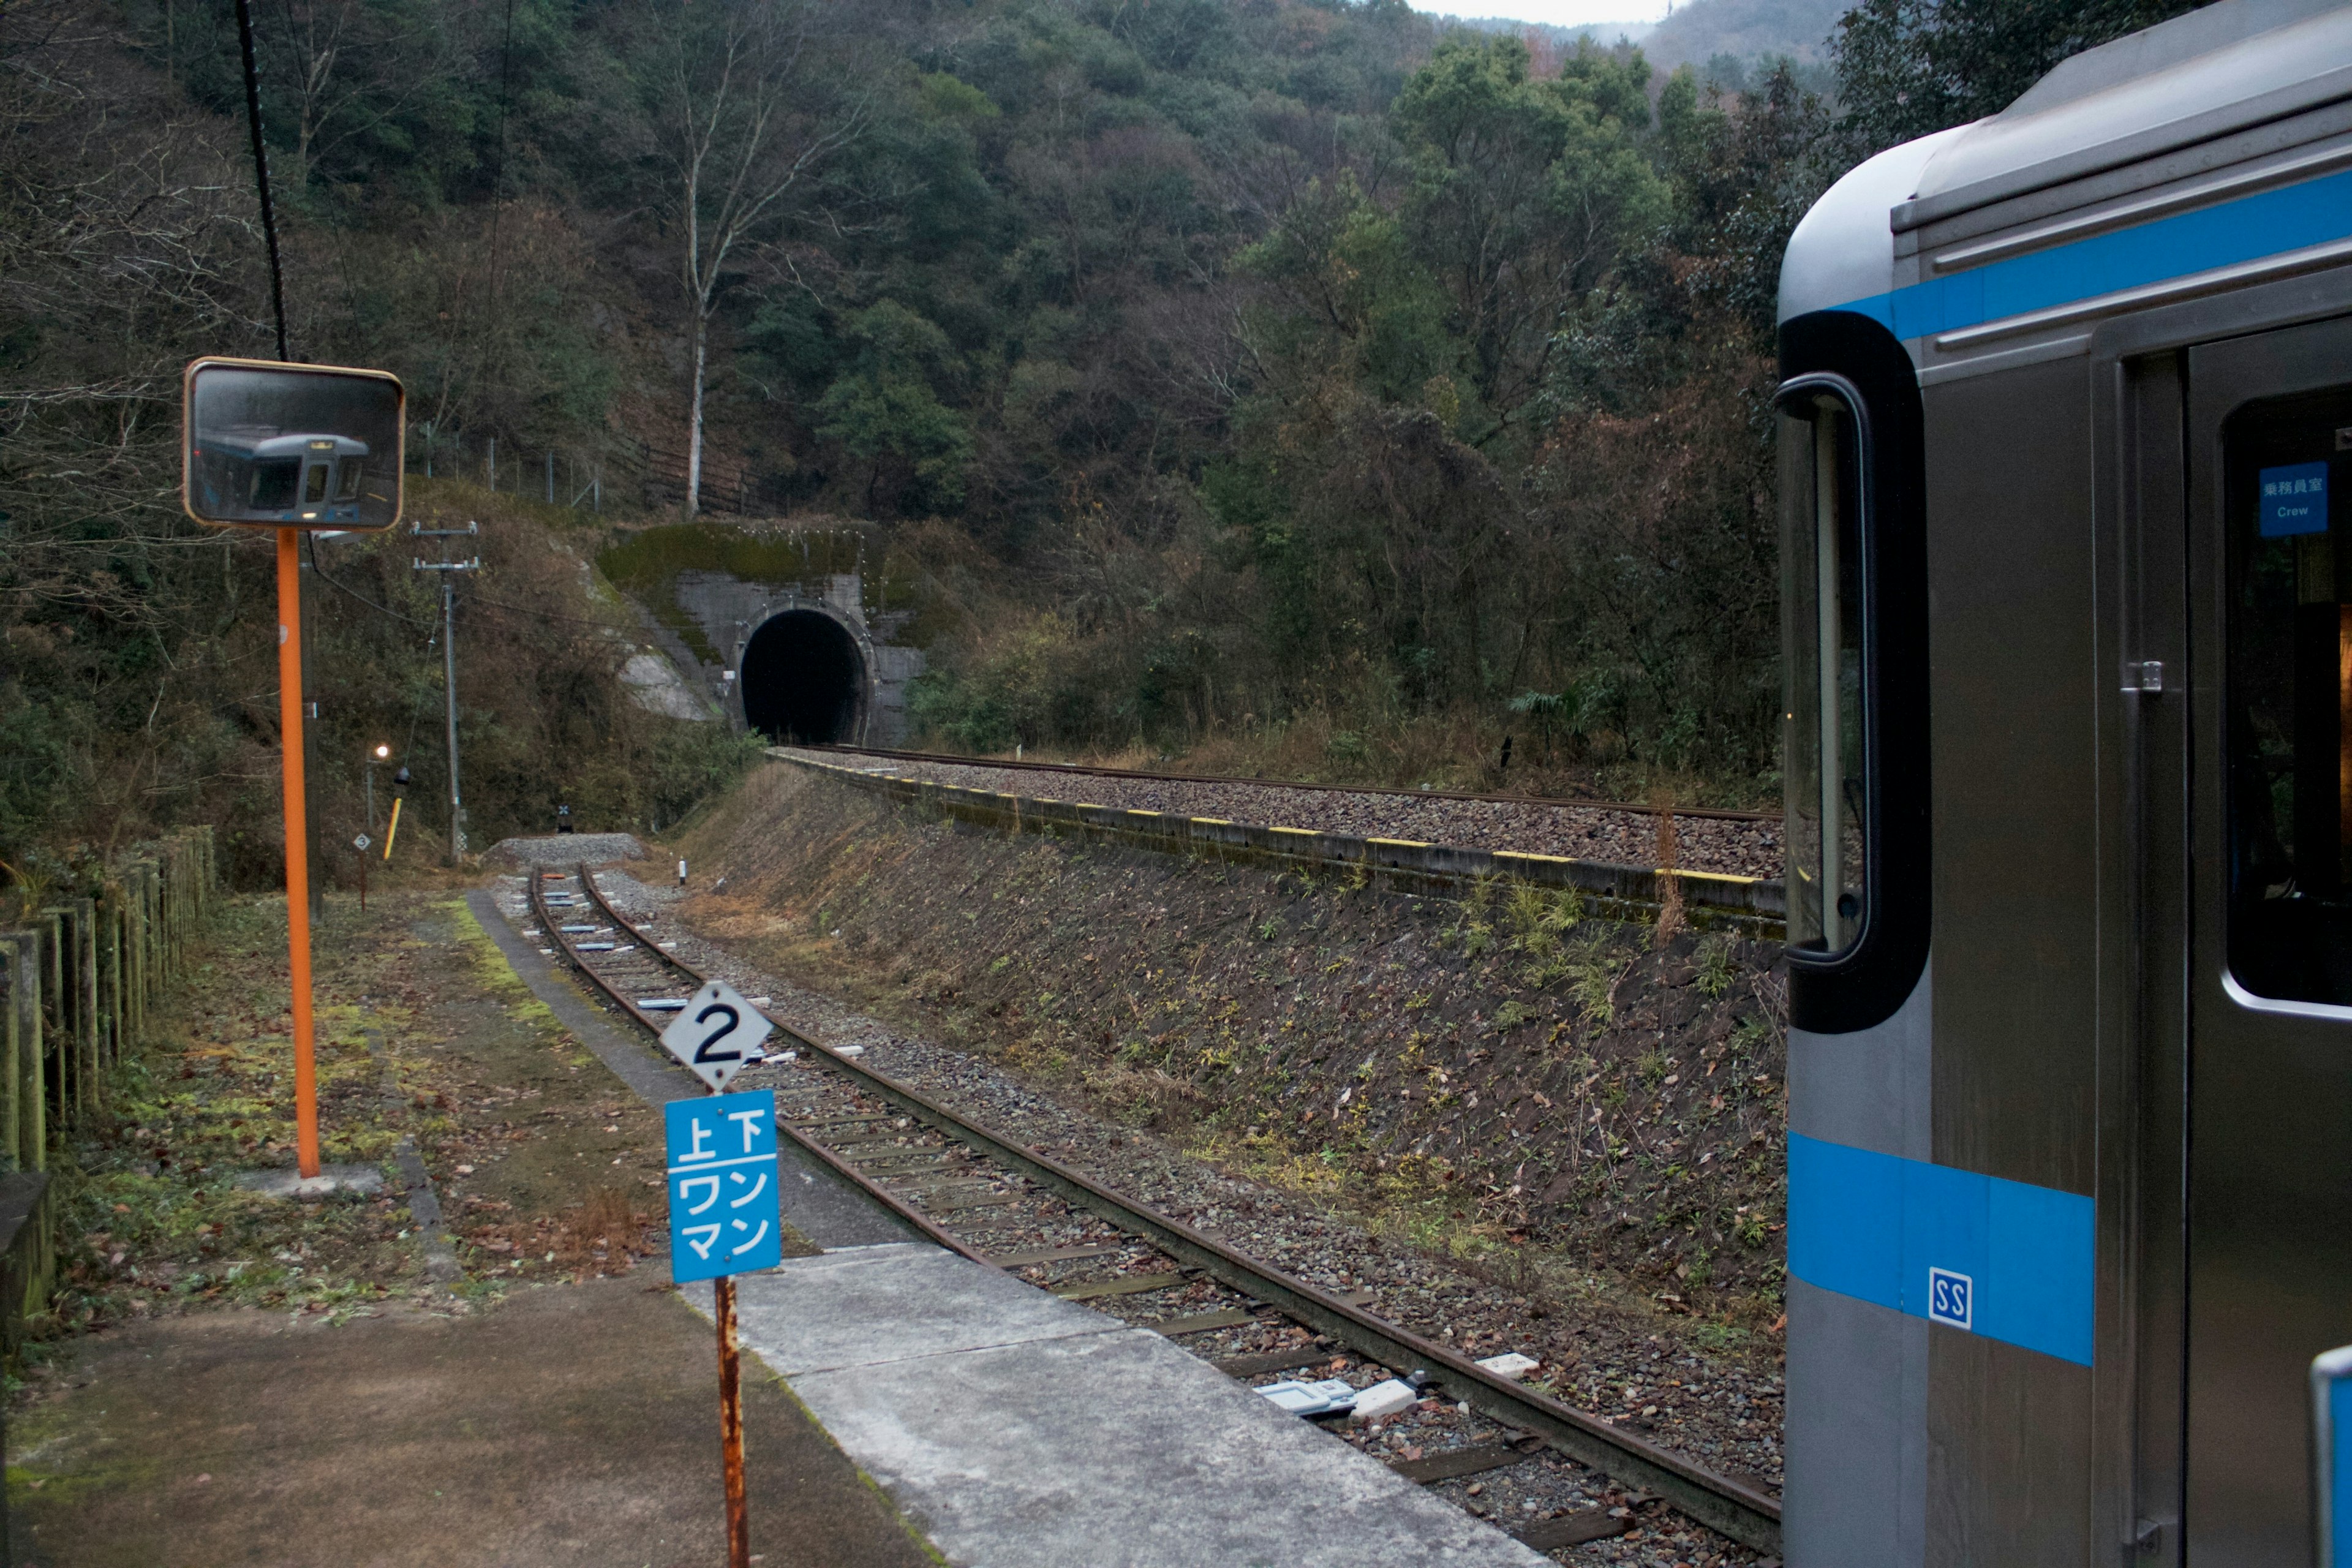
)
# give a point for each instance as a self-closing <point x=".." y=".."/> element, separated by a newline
<point x="725" y="1213"/>
<point x="730" y="1422"/>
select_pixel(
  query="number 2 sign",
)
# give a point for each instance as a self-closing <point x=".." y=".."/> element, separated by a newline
<point x="717" y="1035"/>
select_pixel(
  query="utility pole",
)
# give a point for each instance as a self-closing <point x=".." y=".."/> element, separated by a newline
<point x="449" y="660"/>
<point x="375" y="756"/>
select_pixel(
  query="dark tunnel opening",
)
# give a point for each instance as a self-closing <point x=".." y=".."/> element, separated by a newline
<point x="802" y="678"/>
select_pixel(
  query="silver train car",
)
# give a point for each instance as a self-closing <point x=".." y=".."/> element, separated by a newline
<point x="2066" y="443"/>
<point x="251" y="474"/>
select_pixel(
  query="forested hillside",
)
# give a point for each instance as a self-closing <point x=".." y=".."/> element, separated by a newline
<point x="1286" y="375"/>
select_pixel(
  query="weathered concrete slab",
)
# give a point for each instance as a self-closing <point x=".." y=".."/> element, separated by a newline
<point x="898" y="1303"/>
<point x="1023" y="1431"/>
<point x="570" y="1425"/>
<point x="285" y="1182"/>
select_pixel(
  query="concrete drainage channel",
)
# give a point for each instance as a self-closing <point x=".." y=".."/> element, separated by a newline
<point x="1017" y="1209"/>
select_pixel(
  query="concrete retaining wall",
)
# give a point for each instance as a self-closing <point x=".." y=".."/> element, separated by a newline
<point x="77" y="980"/>
<point x="1710" y="899"/>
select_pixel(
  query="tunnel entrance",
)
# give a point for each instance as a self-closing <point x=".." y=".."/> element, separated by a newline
<point x="802" y="679"/>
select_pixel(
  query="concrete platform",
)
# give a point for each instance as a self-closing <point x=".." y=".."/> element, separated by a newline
<point x="571" y="1425"/>
<point x="1019" y="1430"/>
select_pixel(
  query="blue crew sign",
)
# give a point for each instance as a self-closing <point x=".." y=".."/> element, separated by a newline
<point x="724" y="1214"/>
<point x="2294" y="499"/>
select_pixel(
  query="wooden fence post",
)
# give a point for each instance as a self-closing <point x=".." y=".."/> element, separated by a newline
<point x="139" y="959"/>
<point x="32" y="1063"/>
<point x="87" y="1032"/>
<point x="112" y="917"/>
<point x="166" y="940"/>
<point x="28" y="1142"/>
<point x="179" y="893"/>
<point x="56" y="1051"/>
<point x="151" y="941"/>
<point x="11" y="981"/>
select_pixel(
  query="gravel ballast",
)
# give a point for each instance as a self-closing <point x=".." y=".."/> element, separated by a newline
<point x="564" y="849"/>
<point x="1731" y="846"/>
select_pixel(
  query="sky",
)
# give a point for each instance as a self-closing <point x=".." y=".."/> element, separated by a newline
<point x="1559" y="13"/>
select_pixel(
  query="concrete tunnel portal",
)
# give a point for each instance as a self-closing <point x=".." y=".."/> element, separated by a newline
<point x="803" y="679"/>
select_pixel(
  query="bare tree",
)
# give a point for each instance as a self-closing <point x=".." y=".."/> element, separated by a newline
<point x="341" y="68"/>
<point x="741" y="144"/>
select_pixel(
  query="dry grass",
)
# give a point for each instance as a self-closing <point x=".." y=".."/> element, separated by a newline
<point x="1670" y="901"/>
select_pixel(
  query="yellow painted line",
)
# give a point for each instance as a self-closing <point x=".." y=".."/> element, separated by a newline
<point x="1131" y="812"/>
<point x="1546" y="860"/>
<point x="1215" y="821"/>
<point x="1707" y="876"/>
<point x="1400" y="843"/>
<point x="1301" y="832"/>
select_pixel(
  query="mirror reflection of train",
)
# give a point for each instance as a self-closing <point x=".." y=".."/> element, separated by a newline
<point x="262" y="475"/>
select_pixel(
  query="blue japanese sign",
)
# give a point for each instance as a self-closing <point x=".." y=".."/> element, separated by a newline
<point x="2294" y="499"/>
<point x="724" y="1216"/>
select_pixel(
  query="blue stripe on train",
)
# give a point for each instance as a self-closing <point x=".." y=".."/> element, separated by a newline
<point x="2265" y="224"/>
<point x="1879" y="1227"/>
<point x="2339" y="1483"/>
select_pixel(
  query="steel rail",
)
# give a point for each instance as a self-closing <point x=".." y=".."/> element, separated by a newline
<point x="921" y="1222"/>
<point x="1714" y="813"/>
<point x="1738" y="1512"/>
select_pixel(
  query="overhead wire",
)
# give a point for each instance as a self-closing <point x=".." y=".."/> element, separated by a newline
<point x="319" y="569"/>
<point x="473" y="597"/>
<point x="261" y="173"/>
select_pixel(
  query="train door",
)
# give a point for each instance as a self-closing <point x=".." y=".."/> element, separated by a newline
<point x="2262" y="984"/>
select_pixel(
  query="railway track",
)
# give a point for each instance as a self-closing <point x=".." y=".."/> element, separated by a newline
<point x="1094" y="771"/>
<point x="1007" y="1205"/>
<point x="1744" y="844"/>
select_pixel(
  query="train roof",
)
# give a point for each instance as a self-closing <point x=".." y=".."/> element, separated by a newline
<point x="2145" y="103"/>
<point x="264" y="441"/>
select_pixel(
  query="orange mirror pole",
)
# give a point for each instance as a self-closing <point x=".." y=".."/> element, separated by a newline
<point x="298" y="869"/>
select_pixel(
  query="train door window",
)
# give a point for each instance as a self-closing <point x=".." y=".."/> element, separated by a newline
<point x="1825" y="741"/>
<point x="314" y="483"/>
<point x="274" y="482"/>
<point x="2289" y="720"/>
<point x="347" y="484"/>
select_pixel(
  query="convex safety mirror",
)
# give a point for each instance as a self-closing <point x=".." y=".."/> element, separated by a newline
<point x="266" y="445"/>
